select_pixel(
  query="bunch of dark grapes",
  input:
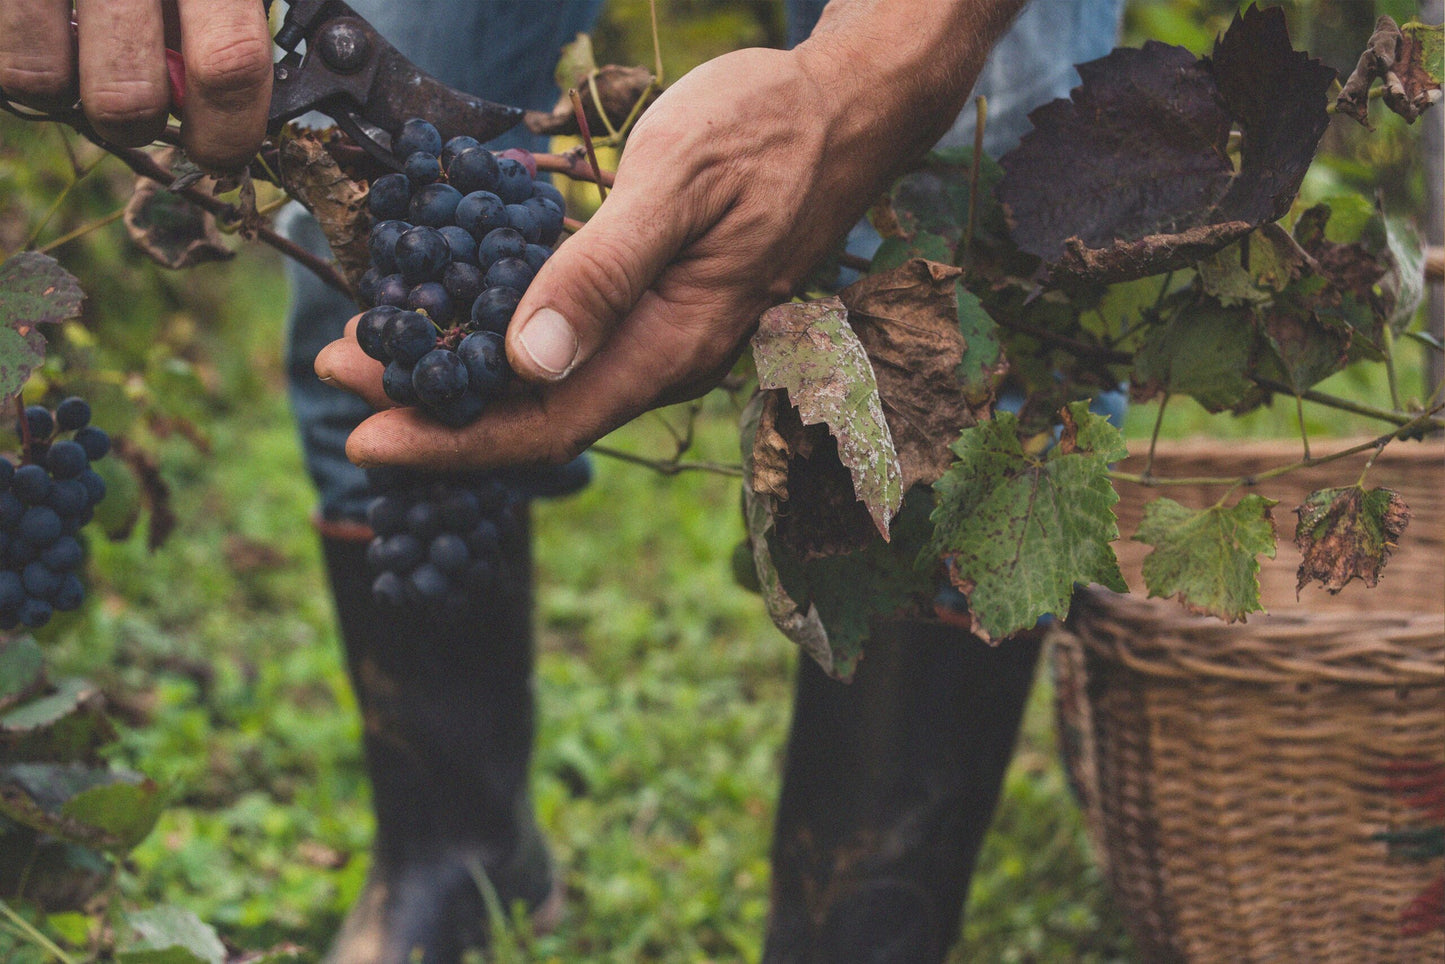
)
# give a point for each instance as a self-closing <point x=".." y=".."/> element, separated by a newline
<point x="456" y="241"/>
<point x="439" y="544"/>
<point x="44" y="503"/>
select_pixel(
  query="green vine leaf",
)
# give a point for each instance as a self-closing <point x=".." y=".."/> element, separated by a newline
<point x="1018" y="531"/>
<point x="102" y="809"/>
<point x="1203" y="350"/>
<point x="34" y="290"/>
<point x="169" y="935"/>
<point x="1207" y="558"/>
<point x="809" y="351"/>
<point x="22" y="670"/>
<point x="1348" y="533"/>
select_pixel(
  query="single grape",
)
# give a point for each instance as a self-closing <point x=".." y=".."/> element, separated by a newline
<point x="509" y="273"/>
<point x="439" y="377"/>
<point x="72" y="413"/>
<point x="463" y="246"/>
<point x="381" y="244"/>
<point x="492" y="311"/>
<point x="39" y="526"/>
<point x="40" y="580"/>
<point x="366" y="286"/>
<point x="409" y="336"/>
<point x="434" y="205"/>
<point x="386" y="515"/>
<point x="448" y="552"/>
<point x="417" y="135"/>
<point x="455" y="146"/>
<point x="67" y="459"/>
<point x="12" y="590"/>
<point x="7" y="467"/>
<point x="485" y="355"/>
<point x="484" y="539"/>
<point x="480" y="213"/>
<point x="422" y="254"/>
<point x="390" y="196"/>
<point x="70" y="594"/>
<point x="40" y="422"/>
<point x="396" y="382"/>
<point x="392" y="290"/>
<point x="545" y="189"/>
<point x="371" y="331"/>
<point x="463" y="282"/>
<point x="387" y="590"/>
<point x="68" y="497"/>
<point x="31" y="484"/>
<point x="522" y="156"/>
<point x="422" y="168"/>
<point x="536" y="256"/>
<point x="423" y="521"/>
<point x="428" y="582"/>
<point x="521" y="219"/>
<point x="35" y="613"/>
<point x="95" y="441"/>
<point x="432" y="299"/>
<point x="514" y="184"/>
<point x="64" y="554"/>
<point x="549" y="218"/>
<point x="474" y="170"/>
<point x="94" y="485"/>
<point x="11" y="509"/>
<point x="499" y="244"/>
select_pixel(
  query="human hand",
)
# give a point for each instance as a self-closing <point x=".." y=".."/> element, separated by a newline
<point x="732" y="185"/>
<point x="113" y="59"/>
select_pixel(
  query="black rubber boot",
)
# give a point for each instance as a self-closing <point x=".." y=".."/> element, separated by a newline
<point x="888" y="788"/>
<point x="447" y="710"/>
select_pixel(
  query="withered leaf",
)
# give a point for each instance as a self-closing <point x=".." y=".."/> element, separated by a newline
<point x="908" y="322"/>
<point x="809" y="350"/>
<point x="617" y="92"/>
<point x="171" y="230"/>
<point x="310" y="174"/>
<point x="1402" y="61"/>
<point x="1131" y="176"/>
<point x="1348" y="533"/>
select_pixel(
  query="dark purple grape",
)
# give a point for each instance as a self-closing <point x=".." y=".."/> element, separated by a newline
<point x="12" y="590"/>
<point x="448" y="552"/>
<point x="536" y="256"/>
<point x="423" y="521"/>
<point x="401" y="552"/>
<point x="11" y="509"/>
<point x="40" y="580"/>
<point x="94" y="485"/>
<point x="396" y="382"/>
<point x="40" y="422"/>
<point x="439" y="377"/>
<point x="366" y="286"/>
<point x="31" y="484"/>
<point x="371" y="331"/>
<point x="67" y="459"/>
<point x="68" y="497"/>
<point x="492" y="311"/>
<point x="484" y="354"/>
<point x="382" y="245"/>
<point x="484" y="540"/>
<point x="428" y="582"/>
<point x="390" y="197"/>
<point x="417" y="135"/>
<point x="459" y="509"/>
<point x="549" y="218"/>
<point x="387" y="590"/>
<point x="434" y="205"/>
<point x="461" y="242"/>
<point x="422" y="254"/>
<point x="422" y="168"/>
<point x="7" y="469"/>
<point x="35" y="613"/>
<point x="499" y="244"/>
<point x="64" y="554"/>
<point x="72" y="413"/>
<point x="480" y="213"/>
<point x="509" y="273"/>
<point x="463" y="282"/>
<point x="386" y="515"/>
<point x="95" y="441"/>
<point x="392" y="290"/>
<point x="545" y="189"/>
<point x="521" y="219"/>
<point x="39" y="526"/>
<point x="70" y="594"/>
<point x="409" y="336"/>
<point x="455" y="146"/>
<point x="476" y="169"/>
<point x="431" y="299"/>
<point x="514" y="184"/>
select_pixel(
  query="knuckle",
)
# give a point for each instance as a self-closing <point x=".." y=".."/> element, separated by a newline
<point x="231" y="72"/>
<point x="124" y="103"/>
<point x="564" y="446"/>
<point x="46" y="82"/>
<point x="607" y="268"/>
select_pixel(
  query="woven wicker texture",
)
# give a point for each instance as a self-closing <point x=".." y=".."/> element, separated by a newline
<point x="1237" y="779"/>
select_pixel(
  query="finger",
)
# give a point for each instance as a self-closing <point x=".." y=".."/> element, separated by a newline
<point x="343" y="364"/>
<point x="37" y="56"/>
<point x="592" y="281"/>
<point x="123" y="69"/>
<point x="649" y="355"/>
<point x="227" y="49"/>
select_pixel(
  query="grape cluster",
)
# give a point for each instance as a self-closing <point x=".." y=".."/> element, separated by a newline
<point x="438" y="545"/>
<point x="44" y="503"/>
<point x="456" y="241"/>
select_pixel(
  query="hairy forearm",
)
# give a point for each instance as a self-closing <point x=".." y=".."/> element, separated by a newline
<point x="903" y="68"/>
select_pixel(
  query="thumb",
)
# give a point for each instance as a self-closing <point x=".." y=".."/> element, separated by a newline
<point x="589" y="284"/>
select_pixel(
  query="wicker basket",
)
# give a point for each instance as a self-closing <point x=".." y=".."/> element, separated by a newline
<point x="1258" y="791"/>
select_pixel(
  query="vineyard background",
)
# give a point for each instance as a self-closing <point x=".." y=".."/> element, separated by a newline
<point x="664" y="689"/>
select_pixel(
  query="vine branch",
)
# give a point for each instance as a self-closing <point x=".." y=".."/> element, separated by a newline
<point x="669" y="467"/>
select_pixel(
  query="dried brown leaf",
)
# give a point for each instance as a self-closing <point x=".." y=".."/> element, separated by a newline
<point x="618" y="91"/>
<point x="171" y="230"/>
<point x="1398" y="59"/>
<point x="310" y="174"/>
<point x="1346" y="534"/>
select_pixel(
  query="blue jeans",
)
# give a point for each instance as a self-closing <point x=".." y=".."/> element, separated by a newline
<point x="506" y="50"/>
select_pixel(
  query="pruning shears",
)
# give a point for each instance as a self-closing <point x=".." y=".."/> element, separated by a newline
<point x="352" y="74"/>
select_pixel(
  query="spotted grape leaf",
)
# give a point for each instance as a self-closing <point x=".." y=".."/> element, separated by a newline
<point x="983" y="363"/>
<point x="1348" y="533"/>
<point x="1132" y="176"/>
<point x="1207" y="557"/>
<point x="809" y="351"/>
<point x="1018" y="531"/>
<point x="1203" y="350"/>
<point x="104" y="809"/>
<point x="1253" y="270"/>
<point x="1408" y="63"/>
<point x="34" y="290"/>
<point x="168" y="935"/>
